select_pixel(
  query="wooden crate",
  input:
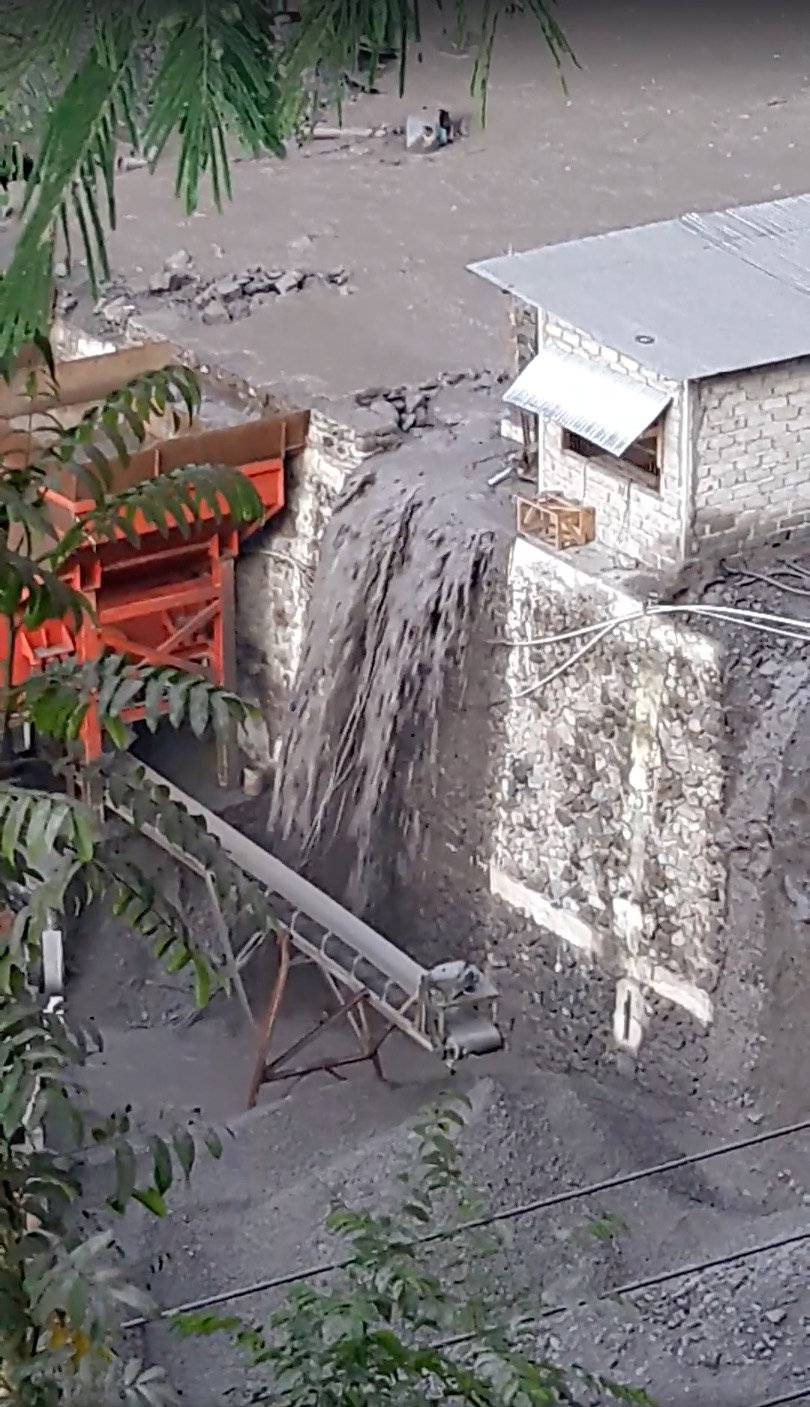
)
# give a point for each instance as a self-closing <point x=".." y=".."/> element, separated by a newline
<point x="556" y="521"/>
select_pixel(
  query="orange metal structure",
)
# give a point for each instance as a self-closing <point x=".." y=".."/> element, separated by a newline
<point x="170" y="600"/>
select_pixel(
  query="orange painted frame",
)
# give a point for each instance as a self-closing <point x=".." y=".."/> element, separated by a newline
<point x="163" y="576"/>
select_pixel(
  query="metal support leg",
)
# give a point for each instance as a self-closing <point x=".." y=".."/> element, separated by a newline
<point x="231" y="965"/>
<point x="270" y="1017"/>
<point x="333" y="1067"/>
<point x="227" y="744"/>
<point x="351" y="1016"/>
<point x="370" y="1049"/>
<point x="268" y="1072"/>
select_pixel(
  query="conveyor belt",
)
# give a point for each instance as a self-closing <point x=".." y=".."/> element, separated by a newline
<point x="449" y="1009"/>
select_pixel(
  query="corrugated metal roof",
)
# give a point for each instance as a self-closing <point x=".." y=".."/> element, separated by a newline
<point x="716" y="292"/>
<point x="603" y="406"/>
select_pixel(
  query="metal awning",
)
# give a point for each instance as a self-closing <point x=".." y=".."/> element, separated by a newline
<point x="603" y="406"/>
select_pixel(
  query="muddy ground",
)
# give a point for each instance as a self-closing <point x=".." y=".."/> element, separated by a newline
<point x="693" y="106"/>
<point x="674" y="107"/>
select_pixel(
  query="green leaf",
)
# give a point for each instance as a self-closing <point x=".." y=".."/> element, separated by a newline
<point x="417" y="1211"/>
<point x="78" y="148"/>
<point x="150" y="1198"/>
<point x="199" y="709"/>
<point x="179" y="957"/>
<point x="162" y="1165"/>
<point x="36" y="826"/>
<point x="202" y="982"/>
<point x="125" y="1174"/>
<point x="213" y="1143"/>
<point x="83" y="837"/>
<point x="179" y="690"/>
<point x="185" y="1150"/>
<point x="16" y="815"/>
<point x="116" y="731"/>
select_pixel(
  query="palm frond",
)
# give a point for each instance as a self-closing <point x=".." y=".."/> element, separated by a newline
<point x="74" y="169"/>
<point x="36" y="35"/>
<point x="131" y="794"/>
<point x="52" y="843"/>
<point x="218" y="77"/>
<point x="37" y="825"/>
<point x="333" y="40"/>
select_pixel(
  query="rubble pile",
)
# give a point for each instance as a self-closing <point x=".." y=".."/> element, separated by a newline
<point x="410" y="408"/>
<point x="228" y="298"/>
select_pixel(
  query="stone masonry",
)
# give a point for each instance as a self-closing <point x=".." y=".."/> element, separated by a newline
<point x="608" y="819"/>
<point x="274" y="579"/>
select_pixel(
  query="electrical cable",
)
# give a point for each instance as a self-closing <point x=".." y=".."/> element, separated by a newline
<point x="730" y="614"/>
<point x="560" y="668"/>
<point x="754" y="620"/>
<point x="648" y="1282"/>
<point x="555" y="1199"/>
<point x="747" y="577"/>
<point x="737" y="614"/>
<point x="802" y="1394"/>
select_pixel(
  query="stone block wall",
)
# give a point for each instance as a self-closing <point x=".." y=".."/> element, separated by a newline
<point x="274" y="576"/>
<point x="631" y="517"/>
<point x="524" y="323"/>
<point x="607" y="827"/>
<point x="752" y="455"/>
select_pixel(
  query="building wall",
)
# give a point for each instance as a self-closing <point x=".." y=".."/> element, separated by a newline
<point x="630" y="516"/>
<point x="752" y="455"/>
<point x="608" y="818"/>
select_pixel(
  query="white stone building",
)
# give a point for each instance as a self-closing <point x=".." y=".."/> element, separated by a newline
<point x="671" y="376"/>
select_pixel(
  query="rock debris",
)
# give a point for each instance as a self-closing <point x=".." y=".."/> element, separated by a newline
<point x="227" y="298"/>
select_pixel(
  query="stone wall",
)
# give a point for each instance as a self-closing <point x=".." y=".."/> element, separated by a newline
<point x="752" y="433"/>
<point x="608" y="819"/>
<point x="524" y="324"/>
<point x="642" y="522"/>
<point x="275" y="572"/>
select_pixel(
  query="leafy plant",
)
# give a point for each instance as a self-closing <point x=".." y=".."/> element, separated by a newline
<point x="63" y="1291"/>
<point x="63" y="1284"/>
<point x="418" y="1319"/>
<point x="76" y="78"/>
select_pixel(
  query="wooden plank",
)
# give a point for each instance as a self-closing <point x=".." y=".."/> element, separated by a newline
<point x="556" y="521"/>
<point x="85" y="379"/>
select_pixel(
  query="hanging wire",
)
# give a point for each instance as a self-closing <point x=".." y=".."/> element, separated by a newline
<point x="513" y="1213"/>
<point x="765" y="622"/>
<point x="648" y="1282"/>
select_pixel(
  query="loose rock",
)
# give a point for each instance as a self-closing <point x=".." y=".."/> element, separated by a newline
<point x="215" y="312"/>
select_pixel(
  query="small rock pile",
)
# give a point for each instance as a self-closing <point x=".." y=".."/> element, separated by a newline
<point x="225" y="299"/>
<point x="414" y="409"/>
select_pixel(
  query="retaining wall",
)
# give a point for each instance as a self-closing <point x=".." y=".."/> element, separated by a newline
<point x="610" y="794"/>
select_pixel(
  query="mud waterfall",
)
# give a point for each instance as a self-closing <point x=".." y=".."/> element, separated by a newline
<point x="391" y="614"/>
